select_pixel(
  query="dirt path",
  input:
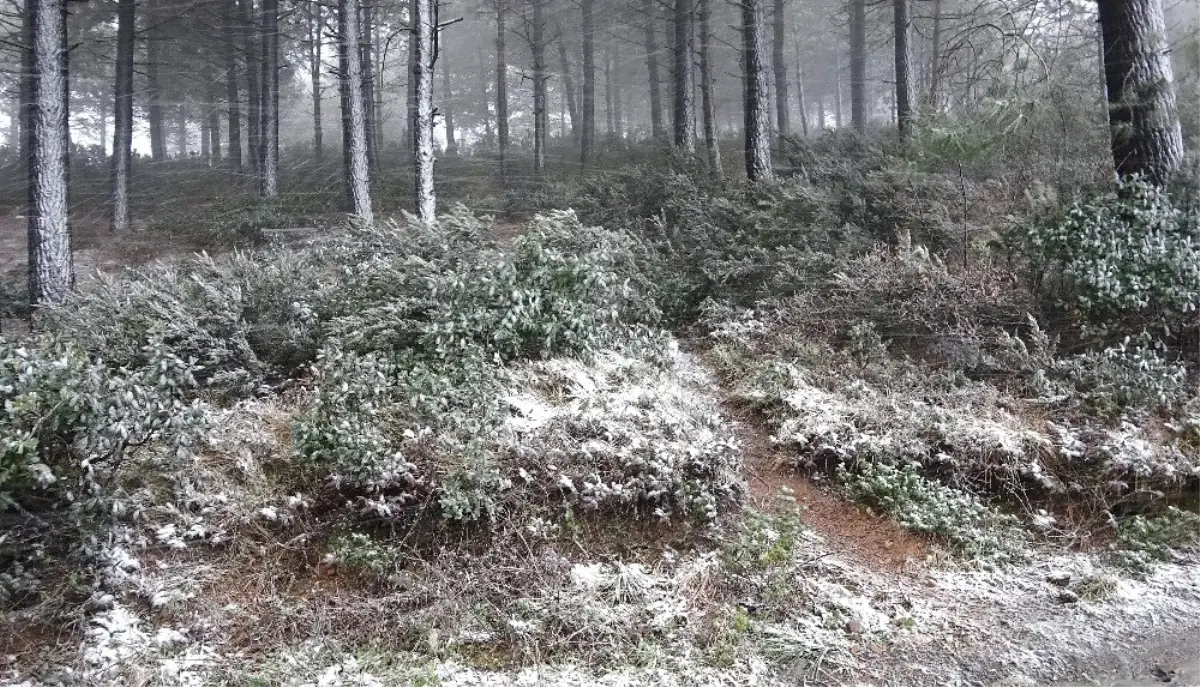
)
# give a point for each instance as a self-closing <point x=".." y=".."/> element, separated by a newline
<point x="875" y="542"/>
<point x="1004" y="628"/>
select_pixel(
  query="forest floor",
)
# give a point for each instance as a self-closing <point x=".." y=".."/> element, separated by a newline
<point x="890" y="610"/>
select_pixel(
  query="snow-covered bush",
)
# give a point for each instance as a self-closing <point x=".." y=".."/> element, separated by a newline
<point x="562" y="289"/>
<point x="242" y="318"/>
<point x="702" y="238"/>
<point x="411" y="384"/>
<point x="972" y="529"/>
<point x="360" y="552"/>
<point x="1130" y="256"/>
<point x="1131" y="376"/>
<point x="609" y="434"/>
<point x="68" y="418"/>
<point x="620" y="434"/>
<point x="1141" y="540"/>
<point x="1134" y="377"/>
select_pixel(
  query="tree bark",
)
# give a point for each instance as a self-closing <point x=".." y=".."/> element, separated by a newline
<point x="426" y="202"/>
<point x="569" y="86"/>
<point x="343" y="84"/>
<point x="358" y="173"/>
<point x="102" y="123"/>
<point x="367" y="64"/>
<point x="13" y="139"/>
<point x="684" y="124"/>
<point x="270" y="156"/>
<point x="154" y="109"/>
<point x="779" y="68"/>
<point x="858" y="65"/>
<point x="233" y="67"/>
<point x="838" y="120"/>
<point x="757" y="122"/>
<point x="377" y="90"/>
<point x="800" y="103"/>
<point x="51" y="272"/>
<point x="501" y="86"/>
<point x="122" y="157"/>
<point x="214" y="123"/>
<point x="253" y="60"/>
<point x="900" y="21"/>
<point x="588" y="135"/>
<point x="609" y="127"/>
<point x="1143" y="114"/>
<point x="25" y="90"/>
<point x="618" y="99"/>
<point x="315" y="23"/>
<point x="181" y="132"/>
<point x="411" y="85"/>
<point x="935" y="59"/>
<point x="538" y="47"/>
<point x="205" y="138"/>
<point x="651" y="44"/>
<point x="707" y="101"/>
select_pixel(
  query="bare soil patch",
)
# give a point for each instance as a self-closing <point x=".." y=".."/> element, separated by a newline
<point x="875" y="542"/>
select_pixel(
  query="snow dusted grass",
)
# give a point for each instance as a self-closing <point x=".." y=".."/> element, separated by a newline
<point x="603" y="546"/>
<point x="944" y="454"/>
<point x="228" y="580"/>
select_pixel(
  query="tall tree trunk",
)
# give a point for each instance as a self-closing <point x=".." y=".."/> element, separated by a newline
<point x="366" y="24"/>
<point x="800" y="97"/>
<point x="154" y="108"/>
<point x="821" y="112"/>
<point x="205" y="138"/>
<point x="103" y="123"/>
<point x="13" y="139"/>
<point x="181" y="132"/>
<point x="618" y="97"/>
<point x="234" y="65"/>
<point x="315" y="24"/>
<point x="933" y="99"/>
<point x="707" y="101"/>
<point x="377" y="89"/>
<point x="609" y="126"/>
<point x="858" y="65"/>
<point x="588" y="139"/>
<point x="779" y="69"/>
<point x="51" y="272"/>
<point x="684" y="123"/>
<point x="651" y="45"/>
<point x="25" y="93"/>
<point x="358" y="172"/>
<point x="254" y="91"/>
<point x="411" y="119"/>
<point x="501" y="86"/>
<point x="426" y="202"/>
<point x="539" y="87"/>
<point x="757" y="122"/>
<point x="270" y="130"/>
<point x="344" y="43"/>
<point x="569" y="85"/>
<point x="214" y="121"/>
<point x="122" y="157"/>
<point x="448" y="108"/>
<point x="1143" y="114"/>
<point x="838" y="120"/>
<point x="903" y="104"/>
